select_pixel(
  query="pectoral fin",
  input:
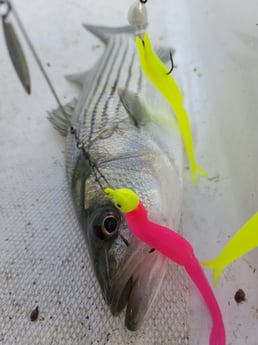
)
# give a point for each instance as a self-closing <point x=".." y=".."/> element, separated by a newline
<point x="134" y="106"/>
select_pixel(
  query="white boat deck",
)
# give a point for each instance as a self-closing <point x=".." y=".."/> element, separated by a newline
<point x="217" y="67"/>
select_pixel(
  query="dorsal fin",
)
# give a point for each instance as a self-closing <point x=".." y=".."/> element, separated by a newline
<point x="58" y="120"/>
<point x="77" y="78"/>
<point x="104" y="32"/>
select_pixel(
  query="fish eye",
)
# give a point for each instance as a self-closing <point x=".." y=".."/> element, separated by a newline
<point x="107" y="224"/>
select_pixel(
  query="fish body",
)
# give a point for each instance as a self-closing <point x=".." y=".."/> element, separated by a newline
<point x="122" y="123"/>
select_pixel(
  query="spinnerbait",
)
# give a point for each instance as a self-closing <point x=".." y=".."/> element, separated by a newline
<point x="21" y="67"/>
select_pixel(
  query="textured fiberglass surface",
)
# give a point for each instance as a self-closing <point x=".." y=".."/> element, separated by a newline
<point x="217" y="68"/>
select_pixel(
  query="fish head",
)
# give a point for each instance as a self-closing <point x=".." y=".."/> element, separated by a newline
<point x="128" y="271"/>
<point x="100" y="225"/>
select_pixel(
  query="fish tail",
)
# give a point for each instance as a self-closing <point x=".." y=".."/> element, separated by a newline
<point x="217" y="268"/>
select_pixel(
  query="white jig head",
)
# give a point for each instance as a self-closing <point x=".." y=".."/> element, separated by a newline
<point x="137" y="16"/>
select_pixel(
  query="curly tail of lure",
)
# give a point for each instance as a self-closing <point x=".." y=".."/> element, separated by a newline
<point x="245" y="240"/>
<point x="162" y="79"/>
<point x="172" y="245"/>
<point x="194" y="269"/>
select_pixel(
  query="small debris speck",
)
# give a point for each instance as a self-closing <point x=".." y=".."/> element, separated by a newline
<point x="95" y="47"/>
<point x="240" y="296"/>
<point x="108" y="336"/>
<point x="34" y="314"/>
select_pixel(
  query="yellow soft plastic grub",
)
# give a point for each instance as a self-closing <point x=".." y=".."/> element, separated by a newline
<point x="158" y="74"/>
<point x="245" y="240"/>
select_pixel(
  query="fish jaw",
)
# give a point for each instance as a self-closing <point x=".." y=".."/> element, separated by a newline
<point x="136" y="283"/>
<point x="100" y="242"/>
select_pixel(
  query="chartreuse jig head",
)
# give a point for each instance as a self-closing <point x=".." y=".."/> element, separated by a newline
<point x="162" y="79"/>
<point x="172" y="245"/>
<point x="241" y="243"/>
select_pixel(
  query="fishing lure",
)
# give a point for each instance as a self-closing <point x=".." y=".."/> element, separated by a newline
<point x="172" y="245"/>
<point x="241" y="243"/>
<point x="162" y="79"/>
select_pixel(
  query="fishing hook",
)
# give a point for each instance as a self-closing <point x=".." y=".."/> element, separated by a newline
<point x="172" y="63"/>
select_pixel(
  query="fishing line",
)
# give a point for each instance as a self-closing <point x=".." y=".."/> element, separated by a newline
<point x="86" y="155"/>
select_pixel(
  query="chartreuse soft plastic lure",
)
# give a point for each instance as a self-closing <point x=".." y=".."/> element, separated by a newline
<point x="243" y="242"/>
<point x="158" y="74"/>
<point x="171" y="244"/>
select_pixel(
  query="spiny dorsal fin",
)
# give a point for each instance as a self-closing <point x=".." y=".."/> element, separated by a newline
<point x="104" y="32"/>
<point x="77" y="78"/>
<point x="57" y="118"/>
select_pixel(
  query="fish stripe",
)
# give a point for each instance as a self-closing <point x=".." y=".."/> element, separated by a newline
<point x="108" y="65"/>
<point x="119" y="104"/>
<point x="105" y="87"/>
<point x="114" y="87"/>
<point x="102" y="104"/>
<point x="111" y="78"/>
<point x="95" y="86"/>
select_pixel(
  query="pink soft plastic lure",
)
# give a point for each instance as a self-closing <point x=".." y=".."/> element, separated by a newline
<point x="174" y="246"/>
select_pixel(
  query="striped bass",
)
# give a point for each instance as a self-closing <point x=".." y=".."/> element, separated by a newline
<point x="126" y="128"/>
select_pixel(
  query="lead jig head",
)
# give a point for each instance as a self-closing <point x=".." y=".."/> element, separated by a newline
<point x="137" y="16"/>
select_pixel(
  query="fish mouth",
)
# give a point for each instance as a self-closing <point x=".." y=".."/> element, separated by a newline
<point x="136" y="283"/>
<point x="131" y="282"/>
